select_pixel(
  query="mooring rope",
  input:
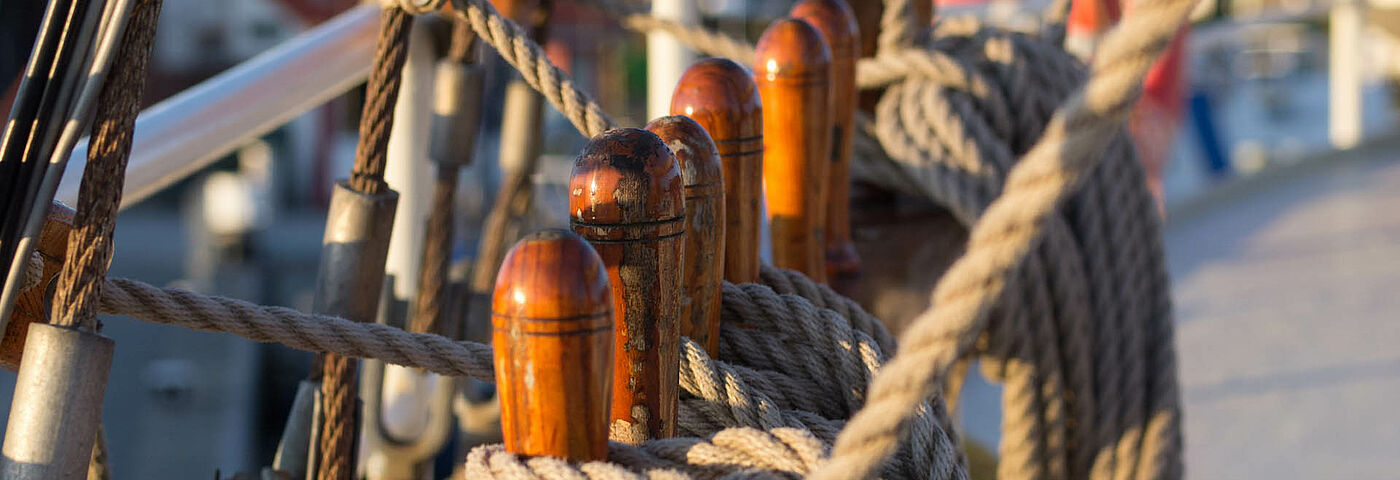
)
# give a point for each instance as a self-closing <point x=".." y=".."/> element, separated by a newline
<point x="793" y="352"/>
<point x="1062" y="276"/>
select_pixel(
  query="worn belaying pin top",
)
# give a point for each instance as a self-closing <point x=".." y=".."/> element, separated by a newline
<point x="721" y="96"/>
<point x="704" y="226"/>
<point x="837" y="23"/>
<point x="625" y="197"/>
<point x="552" y="322"/>
<point x="793" y="71"/>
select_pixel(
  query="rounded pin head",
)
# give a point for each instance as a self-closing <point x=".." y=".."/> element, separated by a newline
<point x="553" y="274"/>
<point x="625" y="176"/>
<point x="694" y="149"/>
<point x="792" y="50"/>
<point x="553" y="329"/>
<point x="835" y="20"/>
<point x="719" y="94"/>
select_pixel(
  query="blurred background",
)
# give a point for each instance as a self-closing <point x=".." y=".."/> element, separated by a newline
<point x="1270" y="138"/>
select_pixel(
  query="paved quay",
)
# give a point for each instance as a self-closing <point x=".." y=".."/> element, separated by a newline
<point x="1286" y="302"/>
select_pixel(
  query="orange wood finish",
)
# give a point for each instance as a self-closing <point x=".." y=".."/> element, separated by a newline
<point x="625" y="197"/>
<point x="552" y="322"/>
<point x="721" y="96"/>
<point x="524" y="12"/>
<point x="793" y="71"/>
<point x="32" y="305"/>
<point x="837" y="23"/>
<point x="703" y="178"/>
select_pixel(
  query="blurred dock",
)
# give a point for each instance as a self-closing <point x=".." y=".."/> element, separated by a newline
<point x="1286" y="308"/>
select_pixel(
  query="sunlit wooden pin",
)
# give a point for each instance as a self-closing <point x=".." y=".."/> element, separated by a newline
<point x="625" y="197"/>
<point x="837" y="23"/>
<point x="721" y="96"/>
<point x="31" y="305"/>
<point x="793" y="72"/>
<point x="552" y="318"/>
<point x="703" y="178"/>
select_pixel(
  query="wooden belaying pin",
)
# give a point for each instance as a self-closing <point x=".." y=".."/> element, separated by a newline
<point x="51" y="244"/>
<point x="625" y="198"/>
<point x="837" y="23"/>
<point x="552" y="322"/>
<point x="721" y="96"/>
<point x="793" y="72"/>
<point x="703" y="178"/>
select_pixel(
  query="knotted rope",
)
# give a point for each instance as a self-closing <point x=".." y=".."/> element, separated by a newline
<point x="1073" y="304"/>
<point x="1062" y="278"/>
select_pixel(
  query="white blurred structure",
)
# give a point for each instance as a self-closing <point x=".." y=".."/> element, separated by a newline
<point x="667" y="58"/>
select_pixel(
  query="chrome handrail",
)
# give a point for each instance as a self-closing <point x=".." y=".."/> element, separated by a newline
<point x="177" y="137"/>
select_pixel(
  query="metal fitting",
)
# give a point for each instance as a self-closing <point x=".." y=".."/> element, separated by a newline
<point x="353" y="252"/>
<point x="400" y="456"/>
<point x="57" y="405"/>
<point x="457" y="90"/>
<point x="294" y="448"/>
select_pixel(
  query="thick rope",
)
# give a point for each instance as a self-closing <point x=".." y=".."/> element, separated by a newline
<point x="1088" y="281"/>
<point x="89" y="250"/>
<point x="791" y="353"/>
<point x="437" y="252"/>
<point x="1011" y="227"/>
<point x="514" y="45"/>
<point x="381" y="93"/>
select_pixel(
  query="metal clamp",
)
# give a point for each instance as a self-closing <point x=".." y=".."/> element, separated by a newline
<point x="57" y="404"/>
<point x="404" y="455"/>
<point x="457" y="91"/>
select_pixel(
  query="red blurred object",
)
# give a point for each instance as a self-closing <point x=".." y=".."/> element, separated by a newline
<point x="312" y="12"/>
<point x="1154" y="121"/>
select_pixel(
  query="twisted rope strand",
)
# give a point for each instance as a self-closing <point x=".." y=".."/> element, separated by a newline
<point x="89" y="251"/>
<point x="515" y="46"/>
<point x="1003" y="237"/>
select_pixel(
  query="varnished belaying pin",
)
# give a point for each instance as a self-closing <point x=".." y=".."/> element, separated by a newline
<point x="625" y="197"/>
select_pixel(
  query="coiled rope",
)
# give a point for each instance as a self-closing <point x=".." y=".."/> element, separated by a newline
<point x="1062" y="279"/>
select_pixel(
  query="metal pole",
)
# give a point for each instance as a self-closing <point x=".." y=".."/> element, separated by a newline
<point x="187" y="132"/>
<point x="1344" y="107"/>
<point x="411" y="173"/>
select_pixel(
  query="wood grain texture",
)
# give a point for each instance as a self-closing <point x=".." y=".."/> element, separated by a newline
<point x="793" y="72"/>
<point x="837" y="23"/>
<point x="625" y="197"/>
<point x="31" y="305"/>
<point x="703" y="177"/>
<point x="552" y="322"/>
<point x="721" y="96"/>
